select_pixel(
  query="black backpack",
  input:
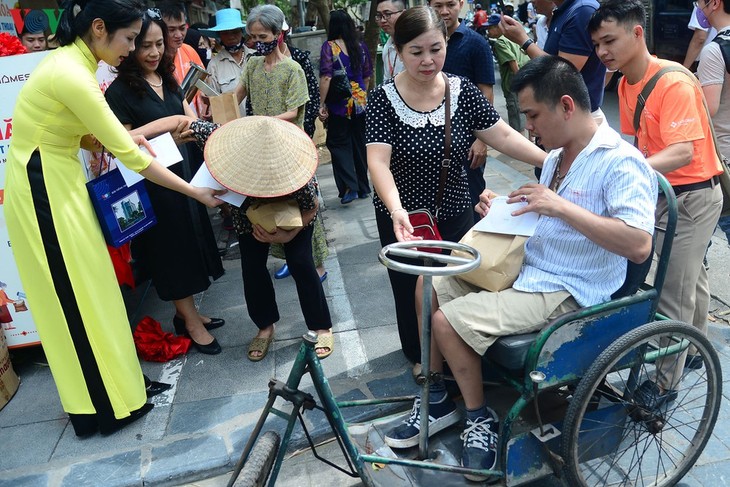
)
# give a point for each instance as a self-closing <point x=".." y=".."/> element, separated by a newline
<point x="723" y="39"/>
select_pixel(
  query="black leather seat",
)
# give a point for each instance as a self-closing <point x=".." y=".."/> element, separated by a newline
<point x="511" y="351"/>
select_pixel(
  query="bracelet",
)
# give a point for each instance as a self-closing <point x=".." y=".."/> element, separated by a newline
<point x="527" y="44"/>
<point x="397" y="209"/>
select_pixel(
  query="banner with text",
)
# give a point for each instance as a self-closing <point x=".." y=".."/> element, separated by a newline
<point x="15" y="317"/>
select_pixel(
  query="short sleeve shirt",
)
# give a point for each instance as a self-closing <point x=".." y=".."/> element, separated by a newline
<point x="712" y="71"/>
<point x="274" y="92"/>
<point x="469" y="55"/>
<point x="569" y="34"/>
<point x="673" y="113"/>
<point x="417" y="142"/>
<point x="506" y="51"/>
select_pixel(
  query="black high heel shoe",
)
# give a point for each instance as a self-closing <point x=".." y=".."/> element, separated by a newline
<point x="212" y="348"/>
<point x="211" y="325"/>
<point x="109" y="427"/>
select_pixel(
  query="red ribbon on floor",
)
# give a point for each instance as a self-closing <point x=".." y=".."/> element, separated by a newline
<point x="154" y="345"/>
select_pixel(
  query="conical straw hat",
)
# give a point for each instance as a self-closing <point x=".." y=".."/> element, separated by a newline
<point x="263" y="157"/>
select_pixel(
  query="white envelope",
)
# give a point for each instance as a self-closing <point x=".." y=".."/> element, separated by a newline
<point x="167" y="155"/>
<point x="500" y="219"/>
<point x="203" y="179"/>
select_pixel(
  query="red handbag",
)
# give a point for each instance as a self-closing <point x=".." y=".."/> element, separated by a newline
<point x="425" y="225"/>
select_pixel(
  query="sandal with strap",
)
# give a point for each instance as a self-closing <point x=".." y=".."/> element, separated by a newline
<point x="259" y="344"/>
<point x="327" y="341"/>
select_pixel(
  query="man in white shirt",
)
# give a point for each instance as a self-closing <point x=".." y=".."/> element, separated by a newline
<point x="596" y="204"/>
<point x="388" y="12"/>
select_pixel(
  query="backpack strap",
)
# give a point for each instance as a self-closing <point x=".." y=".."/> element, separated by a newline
<point x="724" y="43"/>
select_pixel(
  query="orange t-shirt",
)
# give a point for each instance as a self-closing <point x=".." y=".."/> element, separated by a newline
<point x="182" y="65"/>
<point x="674" y="113"/>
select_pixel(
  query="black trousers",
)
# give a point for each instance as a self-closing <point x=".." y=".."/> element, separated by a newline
<point x="258" y="290"/>
<point x="477" y="185"/>
<point x="404" y="285"/>
<point x="346" y="143"/>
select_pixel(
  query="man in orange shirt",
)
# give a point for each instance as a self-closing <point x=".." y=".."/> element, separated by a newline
<point x="674" y="135"/>
<point x="173" y="13"/>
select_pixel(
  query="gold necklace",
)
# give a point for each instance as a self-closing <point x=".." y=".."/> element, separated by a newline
<point x="153" y="84"/>
<point x="557" y="177"/>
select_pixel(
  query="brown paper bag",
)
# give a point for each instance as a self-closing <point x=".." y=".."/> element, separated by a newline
<point x="282" y="214"/>
<point x="9" y="380"/>
<point x="224" y="108"/>
<point x="502" y="257"/>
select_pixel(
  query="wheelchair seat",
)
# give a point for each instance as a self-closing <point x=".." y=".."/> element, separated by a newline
<point x="510" y="351"/>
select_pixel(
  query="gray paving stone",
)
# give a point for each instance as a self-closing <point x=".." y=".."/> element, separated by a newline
<point x="29" y="444"/>
<point x="400" y="385"/>
<point x="117" y="471"/>
<point x="209" y="414"/>
<point x="187" y="459"/>
<point x="25" y="481"/>
<point x="33" y="378"/>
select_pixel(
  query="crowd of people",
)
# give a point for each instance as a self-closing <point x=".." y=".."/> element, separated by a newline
<point x="420" y="138"/>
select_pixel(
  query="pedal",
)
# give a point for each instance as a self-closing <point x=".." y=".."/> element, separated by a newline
<point x="549" y="432"/>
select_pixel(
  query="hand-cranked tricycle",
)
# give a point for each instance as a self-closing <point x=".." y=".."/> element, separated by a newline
<point x="567" y="395"/>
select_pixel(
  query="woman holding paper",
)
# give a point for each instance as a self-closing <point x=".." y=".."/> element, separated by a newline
<point x="180" y="252"/>
<point x="405" y="135"/>
<point x="57" y="241"/>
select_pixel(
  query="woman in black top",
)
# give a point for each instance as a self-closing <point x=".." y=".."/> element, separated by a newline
<point x="180" y="252"/>
<point x="405" y="147"/>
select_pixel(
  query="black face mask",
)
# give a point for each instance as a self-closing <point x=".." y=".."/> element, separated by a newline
<point x="235" y="47"/>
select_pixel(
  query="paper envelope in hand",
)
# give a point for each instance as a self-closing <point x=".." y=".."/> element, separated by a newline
<point x="282" y="214"/>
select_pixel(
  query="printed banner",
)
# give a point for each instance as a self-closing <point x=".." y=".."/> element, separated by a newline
<point x="6" y="18"/>
<point x="15" y="317"/>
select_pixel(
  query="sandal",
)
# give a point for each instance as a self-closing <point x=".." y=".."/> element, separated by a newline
<point x="325" y="340"/>
<point x="259" y="344"/>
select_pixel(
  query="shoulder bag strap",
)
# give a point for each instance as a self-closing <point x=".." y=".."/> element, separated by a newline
<point x="446" y="162"/>
<point x="641" y="101"/>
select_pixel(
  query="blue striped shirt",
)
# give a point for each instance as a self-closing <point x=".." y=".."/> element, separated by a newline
<point x="609" y="178"/>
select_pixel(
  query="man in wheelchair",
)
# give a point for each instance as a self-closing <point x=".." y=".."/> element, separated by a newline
<point x="596" y="198"/>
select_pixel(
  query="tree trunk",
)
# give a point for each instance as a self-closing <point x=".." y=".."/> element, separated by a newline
<point x="371" y="40"/>
<point x="323" y="10"/>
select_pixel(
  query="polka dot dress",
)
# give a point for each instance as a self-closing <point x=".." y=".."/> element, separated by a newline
<point x="417" y="142"/>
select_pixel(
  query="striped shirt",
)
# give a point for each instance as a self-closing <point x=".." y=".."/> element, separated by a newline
<point x="608" y="178"/>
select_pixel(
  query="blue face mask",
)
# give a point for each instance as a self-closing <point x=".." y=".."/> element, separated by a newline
<point x="266" y="48"/>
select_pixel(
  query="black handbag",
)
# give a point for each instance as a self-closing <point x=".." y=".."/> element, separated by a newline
<point x="340" y="88"/>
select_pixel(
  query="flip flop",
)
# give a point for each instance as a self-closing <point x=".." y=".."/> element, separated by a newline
<point x="259" y="344"/>
<point x="325" y="341"/>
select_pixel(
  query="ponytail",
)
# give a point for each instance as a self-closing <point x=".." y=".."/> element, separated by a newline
<point x="78" y="15"/>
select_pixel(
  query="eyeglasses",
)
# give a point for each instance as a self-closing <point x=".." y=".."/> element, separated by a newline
<point x="386" y="15"/>
<point x="154" y="14"/>
<point x="697" y="5"/>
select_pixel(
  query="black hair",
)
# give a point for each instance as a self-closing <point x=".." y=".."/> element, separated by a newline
<point x="551" y="78"/>
<point x="172" y="9"/>
<point x="343" y="27"/>
<point x="78" y="15"/>
<point x="627" y="13"/>
<point x="403" y="4"/>
<point x="414" y="22"/>
<point x="130" y="70"/>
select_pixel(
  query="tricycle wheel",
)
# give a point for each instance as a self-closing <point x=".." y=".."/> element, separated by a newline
<point x="256" y="470"/>
<point x="613" y="438"/>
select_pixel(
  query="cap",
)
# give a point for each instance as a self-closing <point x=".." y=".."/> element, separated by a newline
<point x="493" y="19"/>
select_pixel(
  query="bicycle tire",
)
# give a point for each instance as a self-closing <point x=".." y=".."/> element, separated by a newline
<point x="662" y="443"/>
<point x="256" y="470"/>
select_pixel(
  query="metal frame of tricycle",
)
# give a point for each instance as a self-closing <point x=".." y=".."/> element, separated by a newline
<point x="623" y="313"/>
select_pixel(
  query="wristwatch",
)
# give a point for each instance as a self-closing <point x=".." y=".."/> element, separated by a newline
<point x="527" y="44"/>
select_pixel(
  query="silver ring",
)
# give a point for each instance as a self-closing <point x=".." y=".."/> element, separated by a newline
<point x="523" y="198"/>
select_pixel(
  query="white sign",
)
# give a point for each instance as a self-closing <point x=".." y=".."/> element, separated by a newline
<point x="20" y="329"/>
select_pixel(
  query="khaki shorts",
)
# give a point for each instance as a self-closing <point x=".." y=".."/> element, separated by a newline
<point x="480" y="316"/>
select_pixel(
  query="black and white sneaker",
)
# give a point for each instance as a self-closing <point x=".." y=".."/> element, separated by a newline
<point x="480" y="444"/>
<point x="441" y="415"/>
